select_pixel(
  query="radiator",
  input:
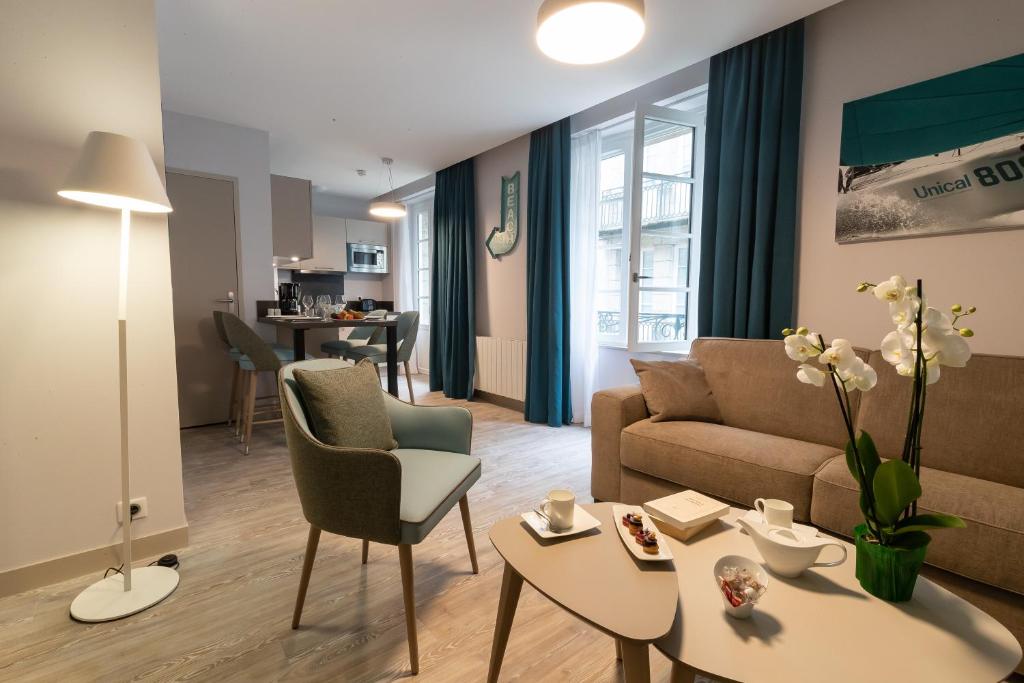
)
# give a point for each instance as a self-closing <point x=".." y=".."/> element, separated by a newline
<point x="501" y="367"/>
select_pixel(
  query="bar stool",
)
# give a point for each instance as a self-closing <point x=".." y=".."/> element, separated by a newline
<point x="235" y="402"/>
<point x="338" y="347"/>
<point x="408" y="329"/>
<point x="258" y="356"/>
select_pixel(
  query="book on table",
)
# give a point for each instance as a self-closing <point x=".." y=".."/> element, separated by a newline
<point x="684" y="514"/>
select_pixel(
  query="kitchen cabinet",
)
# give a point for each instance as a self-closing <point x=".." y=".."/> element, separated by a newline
<point x="291" y="207"/>
<point x="367" y="232"/>
<point x="330" y="237"/>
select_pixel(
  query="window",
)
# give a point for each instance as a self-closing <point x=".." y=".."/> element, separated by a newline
<point x="422" y="215"/>
<point x="650" y="210"/>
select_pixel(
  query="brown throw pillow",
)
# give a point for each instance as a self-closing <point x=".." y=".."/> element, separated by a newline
<point x="346" y="407"/>
<point x="676" y="390"/>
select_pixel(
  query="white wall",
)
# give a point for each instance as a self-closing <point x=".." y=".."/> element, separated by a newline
<point x="71" y="67"/>
<point x="863" y="47"/>
<point x="194" y="143"/>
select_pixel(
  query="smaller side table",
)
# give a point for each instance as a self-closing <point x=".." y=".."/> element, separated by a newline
<point x="592" y="576"/>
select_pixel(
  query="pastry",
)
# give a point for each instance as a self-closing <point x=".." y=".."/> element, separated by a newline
<point x="635" y="522"/>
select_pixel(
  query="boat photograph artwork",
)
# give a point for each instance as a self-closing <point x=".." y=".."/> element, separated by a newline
<point x="940" y="156"/>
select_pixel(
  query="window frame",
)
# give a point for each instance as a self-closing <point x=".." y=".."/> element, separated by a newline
<point x="421" y="204"/>
<point x="696" y="120"/>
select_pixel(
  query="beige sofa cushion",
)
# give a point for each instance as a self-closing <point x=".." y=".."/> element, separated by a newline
<point x="755" y="386"/>
<point x="973" y="423"/>
<point x="676" y="390"/>
<point x="729" y="463"/>
<point x="988" y="550"/>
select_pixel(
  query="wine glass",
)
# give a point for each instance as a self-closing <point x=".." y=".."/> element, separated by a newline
<point x="307" y="303"/>
<point x="339" y="300"/>
<point x="323" y="305"/>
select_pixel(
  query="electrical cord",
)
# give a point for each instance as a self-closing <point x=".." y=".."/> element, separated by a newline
<point x="170" y="561"/>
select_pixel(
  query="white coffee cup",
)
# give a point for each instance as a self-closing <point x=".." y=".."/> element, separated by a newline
<point x="775" y="512"/>
<point x="558" y="509"/>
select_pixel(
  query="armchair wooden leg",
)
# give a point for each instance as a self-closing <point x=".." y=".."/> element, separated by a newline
<point x="366" y="550"/>
<point x="467" y="525"/>
<point x="243" y="383"/>
<point x="236" y="378"/>
<point x="408" y="591"/>
<point x="307" y="569"/>
<point x="250" y="411"/>
<point x="408" y="381"/>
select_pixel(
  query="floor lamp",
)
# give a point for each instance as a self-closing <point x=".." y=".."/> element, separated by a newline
<point x="117" y="172"/>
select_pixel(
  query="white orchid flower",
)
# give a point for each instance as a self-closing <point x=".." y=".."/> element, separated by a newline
<point x="801" y="347"/>
<point x="891" y="290"/>
<point x="941" y="343"/>
<point x="858" y="375"/>
<point x="903" y="312"/>
<point x="839" y="355"/>
<point x="898" y="347"/>
<point x="808" y="374"/>
<point x="947" y="348"/>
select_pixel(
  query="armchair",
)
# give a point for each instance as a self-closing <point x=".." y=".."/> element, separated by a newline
<point x="394" y="497"/>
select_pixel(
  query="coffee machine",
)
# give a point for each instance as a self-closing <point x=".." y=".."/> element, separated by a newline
<point x="288" y="295"/>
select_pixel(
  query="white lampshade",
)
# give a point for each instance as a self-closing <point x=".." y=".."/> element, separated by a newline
<point x="387" y="209"/>
<point x="117" y="172"/>
<point x="589" y="31"/>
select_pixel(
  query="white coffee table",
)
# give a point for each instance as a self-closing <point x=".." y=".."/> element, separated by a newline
<point x="822" y="626"/>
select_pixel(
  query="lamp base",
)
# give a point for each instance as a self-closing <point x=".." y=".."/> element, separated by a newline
<point x="107" y="600"/>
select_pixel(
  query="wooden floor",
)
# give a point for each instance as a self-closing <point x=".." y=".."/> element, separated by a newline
<point x="229" y="619"/>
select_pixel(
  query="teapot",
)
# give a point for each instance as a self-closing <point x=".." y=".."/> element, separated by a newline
<point x="785" y="552"/>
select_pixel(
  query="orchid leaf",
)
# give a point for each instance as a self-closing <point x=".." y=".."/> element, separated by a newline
<point x="868" y="455"/>
<point x="895" y="487"/>
<point x="869" y="459"/>
<point x="923" y="522"/>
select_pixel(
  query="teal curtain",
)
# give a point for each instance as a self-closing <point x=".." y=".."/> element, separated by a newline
<point x="548" y="399"/>
<point x="748" y="230"/>
<point x="937" y="115"/>
<point x="453" y="283"/>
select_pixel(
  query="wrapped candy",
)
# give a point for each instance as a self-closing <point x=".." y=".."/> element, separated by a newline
<point x="740" y="586"/>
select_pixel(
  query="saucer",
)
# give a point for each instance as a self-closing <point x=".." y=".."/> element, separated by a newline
<point x="802" y="530"/>
<point x="582" y="521"/>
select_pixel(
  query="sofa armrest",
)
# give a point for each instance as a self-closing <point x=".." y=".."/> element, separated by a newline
<point x="432" y="428"/>
<point x="612" y="411"/>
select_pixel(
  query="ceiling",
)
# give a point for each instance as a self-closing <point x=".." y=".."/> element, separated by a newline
<point x="339" y="84"/>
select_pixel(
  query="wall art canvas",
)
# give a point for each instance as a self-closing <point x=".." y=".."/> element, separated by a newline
<point x="941" y="156"/>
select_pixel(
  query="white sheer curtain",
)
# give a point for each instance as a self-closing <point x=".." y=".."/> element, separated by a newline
<point x="404" y="271"/>
<point x="585" y="185"/>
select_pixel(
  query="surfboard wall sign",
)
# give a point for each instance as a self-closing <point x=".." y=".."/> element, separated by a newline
<point x="504" y="238"/>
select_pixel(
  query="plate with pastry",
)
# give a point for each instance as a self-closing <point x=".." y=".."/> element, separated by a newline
<point x="639" y="534"/>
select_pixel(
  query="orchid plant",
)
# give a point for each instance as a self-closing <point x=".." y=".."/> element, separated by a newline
<point x="925" y="339"/>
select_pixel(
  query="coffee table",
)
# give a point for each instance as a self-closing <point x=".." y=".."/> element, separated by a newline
<point x="822" y="626"/>
<point x="593" y="577"/>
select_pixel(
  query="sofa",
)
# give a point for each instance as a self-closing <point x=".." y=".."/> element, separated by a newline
<point x="779" y="438"/>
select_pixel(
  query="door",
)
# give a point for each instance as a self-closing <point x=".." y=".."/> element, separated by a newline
<point x="668" y="161"/>
<point x="204" y="275"/>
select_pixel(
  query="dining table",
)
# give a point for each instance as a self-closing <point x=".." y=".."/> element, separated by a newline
<point x="298" y="327"/>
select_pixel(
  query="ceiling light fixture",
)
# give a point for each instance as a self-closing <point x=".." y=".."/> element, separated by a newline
<point x="387" y="209"/>
<point x="589" y="31"/>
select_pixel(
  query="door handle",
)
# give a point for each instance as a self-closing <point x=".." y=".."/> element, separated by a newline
<point x="637" y="277"/>
<point x="224" y="301"/>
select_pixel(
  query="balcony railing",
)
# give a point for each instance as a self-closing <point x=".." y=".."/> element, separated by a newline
<point x="653" y="327"/>
<point x="662" y="201"/>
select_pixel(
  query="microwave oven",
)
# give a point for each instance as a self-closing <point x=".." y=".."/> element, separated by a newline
<point x="367" y="258"/>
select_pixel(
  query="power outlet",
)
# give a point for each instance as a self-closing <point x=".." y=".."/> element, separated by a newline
<point x="143" y="509"/>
